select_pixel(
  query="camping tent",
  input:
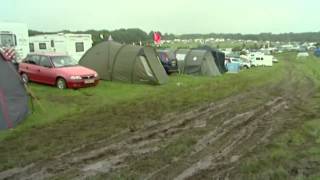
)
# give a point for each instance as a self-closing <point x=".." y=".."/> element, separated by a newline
<point x="233" y="67"/>
<point x="317" y="52"/>
<point x="119" y="62"/>
<point x="196" y="62"/>
<point x="219" y="58"/>
<point x="13" y="96"/>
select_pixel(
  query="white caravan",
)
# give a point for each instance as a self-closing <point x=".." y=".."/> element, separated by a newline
<point x="259" y="59"/>
<point x="15" y="35"/>
<point x="74" y="45"/>
<point x="302" y="55"/>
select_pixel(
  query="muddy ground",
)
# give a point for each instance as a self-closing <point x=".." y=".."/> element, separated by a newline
<point x="218" y="135"/>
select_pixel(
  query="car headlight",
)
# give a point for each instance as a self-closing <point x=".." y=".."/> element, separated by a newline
<point x="95" y="75"/>
<point x="75" y="77"/>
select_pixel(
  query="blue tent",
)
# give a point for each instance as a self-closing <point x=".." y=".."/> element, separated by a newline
<point x="13" y="96"/>
<point x="233" y="67"/>
<point x="317" y="52"/>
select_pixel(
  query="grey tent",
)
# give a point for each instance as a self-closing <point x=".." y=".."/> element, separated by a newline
<point x="197" y="62"/>
<point x="119" y="62"/>
<point x="219" y="58"/>
<point x="13" y="96"/>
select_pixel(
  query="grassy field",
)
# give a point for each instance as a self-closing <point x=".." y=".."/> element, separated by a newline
<point x="72" y="117"/>
<point x="54" y="105"/>
<point x="296" y="150"/>
<point x="63" y="120"/>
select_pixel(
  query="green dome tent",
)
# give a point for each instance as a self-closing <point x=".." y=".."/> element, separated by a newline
<point x="197" y="62"/>
<point x="13" y="96"/>
<point x="119" y="62"/>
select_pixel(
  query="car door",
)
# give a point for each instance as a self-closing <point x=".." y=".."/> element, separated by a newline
<point x="46" y="71"/>
<point x="30" y="67"/>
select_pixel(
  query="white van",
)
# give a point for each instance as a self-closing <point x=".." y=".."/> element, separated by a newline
<point x="259" y="59"/>
<point x="15" y="35"/>
<point x="74" y="45"/>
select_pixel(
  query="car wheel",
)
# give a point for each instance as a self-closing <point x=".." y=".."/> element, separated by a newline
<point x="24" y="78"/>
<point x="61" y="83"/>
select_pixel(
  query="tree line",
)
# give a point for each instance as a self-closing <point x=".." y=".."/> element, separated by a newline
<point x="283" y="37"/>
<point x="135" y="35"/>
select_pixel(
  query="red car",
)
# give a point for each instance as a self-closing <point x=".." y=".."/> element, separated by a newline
<point x="59" y="70"/>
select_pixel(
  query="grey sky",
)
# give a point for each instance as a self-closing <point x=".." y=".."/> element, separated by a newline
<point x="172" y="16"/>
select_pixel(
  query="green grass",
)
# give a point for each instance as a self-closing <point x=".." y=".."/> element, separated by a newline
<point x="70" y="118"/>
<point x="295" y="152"/>
<point x="55" y="105"/>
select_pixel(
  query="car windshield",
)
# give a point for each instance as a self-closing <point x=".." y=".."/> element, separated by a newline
<point x="63" y="61"/>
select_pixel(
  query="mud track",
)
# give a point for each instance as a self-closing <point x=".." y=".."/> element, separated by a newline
<point x="233" y="128"/>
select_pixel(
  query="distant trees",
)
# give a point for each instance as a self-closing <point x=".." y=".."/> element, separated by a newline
<point x="136" y="35"/>
<point x="284" y="37"/>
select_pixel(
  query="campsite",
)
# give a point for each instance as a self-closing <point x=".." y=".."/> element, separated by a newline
<point x="148" y="131"/>
<point x="106" y="90"/>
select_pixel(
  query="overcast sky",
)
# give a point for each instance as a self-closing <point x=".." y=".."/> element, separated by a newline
<point x="172" y="16"/>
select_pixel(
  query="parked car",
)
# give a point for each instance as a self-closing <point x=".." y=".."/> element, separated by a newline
<point x="170" y="64"/>
<point x="56" y="69"/>
<point x="275" y="60"/>
<point x="232" y="64"/>
<point x="235" y="60"/>
<point x="232" y="60"/>
<point x="245" y="63"/>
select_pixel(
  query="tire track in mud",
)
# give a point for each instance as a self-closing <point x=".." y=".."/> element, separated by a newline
<point x="221" y="159"/>
<point x="230" y="135"/>
<point x="234" y="131"/>
<point x="170" y="130"/>
<point x="219" y="165"/>
<point x="113" y="155"/>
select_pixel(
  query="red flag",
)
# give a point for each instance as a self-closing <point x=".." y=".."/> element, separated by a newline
<point x="156" y="37"/>
<point x="8" y="53"/>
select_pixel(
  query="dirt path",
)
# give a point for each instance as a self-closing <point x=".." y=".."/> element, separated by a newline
<point x="230" y="130"/>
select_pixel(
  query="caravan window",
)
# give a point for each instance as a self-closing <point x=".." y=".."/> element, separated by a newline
<point x="79" y="47"/>
<point x="42" y="46"/>
<point x="8" y="40"/>
<point x="52" y="43"/>
<point x="31" y="47"/>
